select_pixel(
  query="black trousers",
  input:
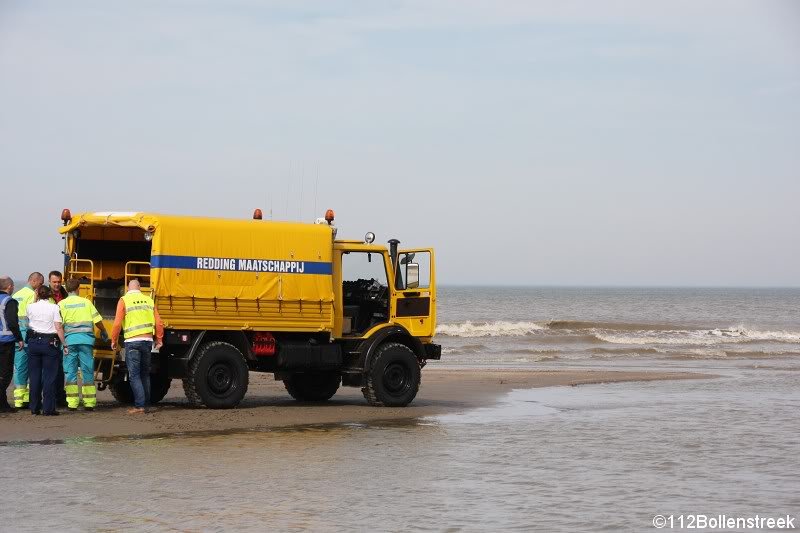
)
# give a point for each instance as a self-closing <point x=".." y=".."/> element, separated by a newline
<point x="43" y="360"/>
<point x="6" y="369"/>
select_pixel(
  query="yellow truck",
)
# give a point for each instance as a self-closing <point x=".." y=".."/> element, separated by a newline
<point x="256" y="295"/>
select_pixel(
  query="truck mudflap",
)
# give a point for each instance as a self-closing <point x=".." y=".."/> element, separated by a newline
<point x="433" y="351"/>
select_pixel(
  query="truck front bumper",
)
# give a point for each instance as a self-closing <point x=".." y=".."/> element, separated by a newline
<point x="433" y="351"/>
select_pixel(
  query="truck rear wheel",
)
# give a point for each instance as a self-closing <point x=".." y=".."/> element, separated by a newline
<point x="313" y="386"/>
<point x="159" y="387"/>
<point x="217" y="376"/>
<point x="393" y="376"/>
<point x="121" y="389"/>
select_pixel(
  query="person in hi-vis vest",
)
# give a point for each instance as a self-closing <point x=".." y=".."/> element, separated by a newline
<point x="138" y="320"/>
<point x="24" y="296"/>
<point x="79" y="317"/>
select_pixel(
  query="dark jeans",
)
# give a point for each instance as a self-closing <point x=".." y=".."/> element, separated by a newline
<point x="43" y="360"/>
<point x="61" y="394"/>
<point x="6" y="369"/>
<point x="137" y="359"/>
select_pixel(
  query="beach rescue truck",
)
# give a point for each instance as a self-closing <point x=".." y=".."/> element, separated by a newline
<point x="256" y="295"/>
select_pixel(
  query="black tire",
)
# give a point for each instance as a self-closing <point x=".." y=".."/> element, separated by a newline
<point x="121" y="390"/>
<point x="217" y="376"/>
<point x="393" y="376"/>
<point x="313" y="386"/>
<point x="159" y="387"/>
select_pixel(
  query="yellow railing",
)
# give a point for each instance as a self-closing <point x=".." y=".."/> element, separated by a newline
<point x="83" y="270"/>
<point x="139" y="270"/>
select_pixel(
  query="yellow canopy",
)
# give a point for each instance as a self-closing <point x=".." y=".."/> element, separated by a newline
<point x="231" y="259"/>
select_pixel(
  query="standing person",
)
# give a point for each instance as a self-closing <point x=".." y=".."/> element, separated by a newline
<point x="45" y="337"/>
<point x="55" y="278"/>
<point x="137" y="318"/>
<point x="10" y="336"/>
<point x="80" y="316"/>
<point x="24" y="296"/>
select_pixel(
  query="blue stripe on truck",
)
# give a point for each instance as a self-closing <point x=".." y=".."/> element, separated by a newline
<point x="234" y="264"/>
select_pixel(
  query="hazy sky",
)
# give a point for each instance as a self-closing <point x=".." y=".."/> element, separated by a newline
<point x="622" y="143"/>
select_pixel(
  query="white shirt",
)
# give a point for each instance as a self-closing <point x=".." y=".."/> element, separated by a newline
<point x="42" y="316"/>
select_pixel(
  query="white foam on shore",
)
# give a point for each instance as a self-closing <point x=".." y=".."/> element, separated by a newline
<point x="489" y="329"/>
<point x="686" y="337"/>
<point x="710" y="337"/>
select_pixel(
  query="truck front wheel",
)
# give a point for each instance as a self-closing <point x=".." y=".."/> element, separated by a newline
<point x="313" y="386"/>
<point x="217" y="376"/>
<point x="393" y="376"/>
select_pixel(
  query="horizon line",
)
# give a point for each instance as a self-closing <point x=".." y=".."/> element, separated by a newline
<point x="614" y="286"/>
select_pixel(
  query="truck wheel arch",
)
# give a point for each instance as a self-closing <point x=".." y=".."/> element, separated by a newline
<point x="236" y="338"/>
<point x="396" y="334"/>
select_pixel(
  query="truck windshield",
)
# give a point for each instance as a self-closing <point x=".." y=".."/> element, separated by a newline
<point x="365" y="291"/>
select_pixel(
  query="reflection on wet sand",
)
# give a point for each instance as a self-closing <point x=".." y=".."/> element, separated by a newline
<point x="565" y="458"/>
<point x="269" y="406"/>
<point x="309" y="429"/>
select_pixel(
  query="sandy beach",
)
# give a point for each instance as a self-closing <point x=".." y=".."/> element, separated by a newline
<point x="267" y="405"/>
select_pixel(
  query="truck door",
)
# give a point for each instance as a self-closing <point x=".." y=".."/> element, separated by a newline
<point x="365" y="291"/>
<point x="415" y="289"/>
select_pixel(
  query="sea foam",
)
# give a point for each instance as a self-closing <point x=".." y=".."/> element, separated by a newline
<point x="625" y="334"/>
<point x="489" y="329"/>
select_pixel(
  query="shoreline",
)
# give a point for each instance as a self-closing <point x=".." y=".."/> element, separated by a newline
<point x="267" y="405"/>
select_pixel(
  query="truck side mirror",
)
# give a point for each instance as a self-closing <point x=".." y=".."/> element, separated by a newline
<point x="412" y="275"/>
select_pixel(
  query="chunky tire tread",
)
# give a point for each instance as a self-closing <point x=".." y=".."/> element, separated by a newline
<point x="385" y="354"/>
<point x="121" y="391"/>
<point x="190" y="391"/>
<point x="191" y="384"/>
<point x="313" y="387"/>
<point x="159" y="387"/>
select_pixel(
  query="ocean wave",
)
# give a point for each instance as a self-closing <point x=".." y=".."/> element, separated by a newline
<point x="699" y="353"/>
<point x="625" y="351"/>
<point x="502" y="358"/>
<point x="489" y="329"/>
<point x="533" y="351"/>
<point x="755" y="354"/>
<point x="577" y="325"/>
<point x="710" y="337"/>
<point x="466" y="349"/>
<point x="570" y="332"/>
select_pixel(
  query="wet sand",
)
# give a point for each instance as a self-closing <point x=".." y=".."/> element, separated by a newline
<point x="268" y="405"/>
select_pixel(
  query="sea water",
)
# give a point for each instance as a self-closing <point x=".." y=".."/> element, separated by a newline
<point x="608" y="457"/>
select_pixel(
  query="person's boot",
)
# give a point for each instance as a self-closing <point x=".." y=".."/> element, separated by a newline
<point x="3" y="400"/>
<point x="20" y="402"/>
<point x="72" y="399"/>
<point x="5" y="407"/>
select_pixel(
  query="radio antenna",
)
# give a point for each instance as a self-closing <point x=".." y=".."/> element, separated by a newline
<point x="302" y="178"/>
<point x="288" y="188"/>
<point x="316" y="188"/>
